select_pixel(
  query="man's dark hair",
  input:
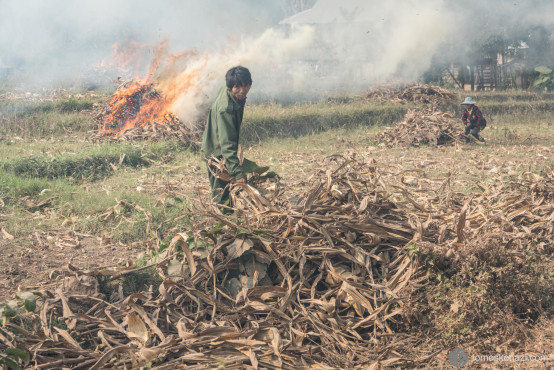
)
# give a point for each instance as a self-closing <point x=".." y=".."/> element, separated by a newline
<point x="238" y="76"/>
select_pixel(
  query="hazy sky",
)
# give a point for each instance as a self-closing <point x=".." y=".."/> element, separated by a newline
<point x="60" y="38"/>
<point x="57" y="41"/>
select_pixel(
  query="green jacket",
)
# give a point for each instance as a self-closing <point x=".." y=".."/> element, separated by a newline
<point x="221" y="135"/>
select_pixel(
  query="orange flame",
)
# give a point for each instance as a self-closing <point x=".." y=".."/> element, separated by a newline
<point x="146" y="100"/>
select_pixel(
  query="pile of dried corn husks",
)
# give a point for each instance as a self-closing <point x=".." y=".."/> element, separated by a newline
<point x="169" y="128"/>
<point x="136" y="111"/>
<point x="423" y="126"/>
<point x="320" y="278"/>
<point x="427" y="94"/>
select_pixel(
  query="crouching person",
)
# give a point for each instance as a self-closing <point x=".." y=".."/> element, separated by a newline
<point x="473" y="119"/>
<point x="221" y="135"/>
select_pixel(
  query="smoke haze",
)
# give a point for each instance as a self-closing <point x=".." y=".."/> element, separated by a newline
<point x="336" y="46"/>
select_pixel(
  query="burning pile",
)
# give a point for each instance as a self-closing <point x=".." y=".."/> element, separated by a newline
<point x="137" y="111"/>
<point x="423" y="126"/>
<point x="427" y="94"/>
<point x="331" y="277"/>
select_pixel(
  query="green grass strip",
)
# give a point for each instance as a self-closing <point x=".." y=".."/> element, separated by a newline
<point x="23" y="107"/>
<point x="273" y="121"/>
<point x="93" y="165"/>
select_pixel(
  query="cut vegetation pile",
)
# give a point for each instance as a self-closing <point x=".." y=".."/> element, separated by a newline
<point x="427" y="94"/>
<point x="340" y="275"/>
<point x="137" y="111"/>
<point x="155" y="131"/>
<point x="426" y="125"/>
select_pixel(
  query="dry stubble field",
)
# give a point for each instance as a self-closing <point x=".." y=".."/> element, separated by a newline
<point x="117" y="213"/>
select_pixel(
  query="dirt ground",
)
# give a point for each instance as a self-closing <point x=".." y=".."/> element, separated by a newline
<point x="34" y="261"/>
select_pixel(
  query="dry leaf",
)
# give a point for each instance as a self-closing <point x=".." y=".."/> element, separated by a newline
<point x="136" y="328"/>
<point x="455" y="307"/>
<point x="409" y="180"/>
<point x="6" y="234"/>
<point x="239" y="246"/>
<point x="149" y="354"/>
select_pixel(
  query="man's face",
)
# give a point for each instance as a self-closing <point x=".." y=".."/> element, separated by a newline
<point x="240" y="92"/>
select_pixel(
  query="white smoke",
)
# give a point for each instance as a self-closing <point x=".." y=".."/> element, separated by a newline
<point x="57" y="42"/>
<point x="206" y="72"/>
<point x="345" y="45"/>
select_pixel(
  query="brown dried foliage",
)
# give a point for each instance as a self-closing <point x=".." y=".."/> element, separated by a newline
<point x="423" y="126"/>
<point x="169" y="128"/>
<point x="137" y="111"/>
<point x="337" y="276"/>
<point x="427" y="94"/>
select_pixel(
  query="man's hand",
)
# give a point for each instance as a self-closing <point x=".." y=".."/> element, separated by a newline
<point x="242" y="180"/>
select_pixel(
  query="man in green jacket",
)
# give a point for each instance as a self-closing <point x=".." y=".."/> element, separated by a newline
<point x="221" y="135"/>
